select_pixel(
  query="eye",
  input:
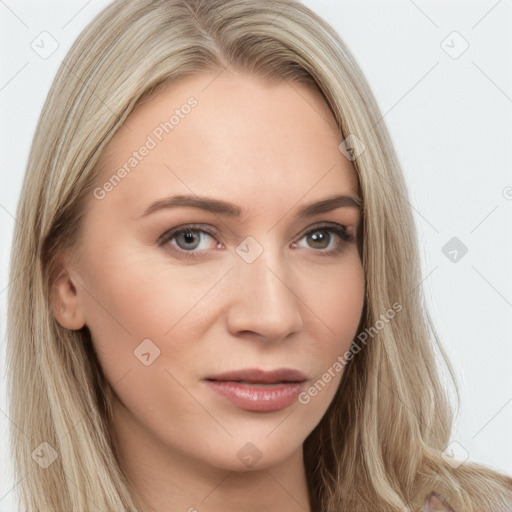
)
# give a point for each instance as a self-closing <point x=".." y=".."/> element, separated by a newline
<point x="320" y="237"/>
<point x="187" y="239"/>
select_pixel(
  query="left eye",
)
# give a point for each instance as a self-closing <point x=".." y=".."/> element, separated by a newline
<point x="321" y="236"/>
<point x="188" y="239"/>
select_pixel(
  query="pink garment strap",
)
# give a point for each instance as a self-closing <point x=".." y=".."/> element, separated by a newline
<point x="435" y="502"/>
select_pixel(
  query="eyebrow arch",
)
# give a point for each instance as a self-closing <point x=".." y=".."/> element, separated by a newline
<point x="229" y="209"/>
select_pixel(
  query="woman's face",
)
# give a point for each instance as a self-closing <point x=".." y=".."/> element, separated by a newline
<point x="255" y="284"/>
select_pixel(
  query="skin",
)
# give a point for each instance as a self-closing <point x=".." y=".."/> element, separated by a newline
<point x="270" y="149"/>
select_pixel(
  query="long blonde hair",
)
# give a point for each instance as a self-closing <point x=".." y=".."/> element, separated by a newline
<point x="379" y="445"/>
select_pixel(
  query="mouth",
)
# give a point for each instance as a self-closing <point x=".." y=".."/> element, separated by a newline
<point x="257" y="390"/>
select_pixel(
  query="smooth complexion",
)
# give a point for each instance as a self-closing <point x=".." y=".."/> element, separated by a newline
<point x="270" y="150"/>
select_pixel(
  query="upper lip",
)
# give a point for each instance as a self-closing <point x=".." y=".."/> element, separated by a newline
<point x="259" y="376"/>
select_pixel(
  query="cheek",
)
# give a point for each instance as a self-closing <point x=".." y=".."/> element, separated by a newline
<point x="338" y="301"/>
<point x="142" y="323"/>
<point x="136" y="300"/>
<point x="338" y="306"/>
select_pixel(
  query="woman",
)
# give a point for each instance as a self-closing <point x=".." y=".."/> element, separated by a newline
<point x="285" y="363"/>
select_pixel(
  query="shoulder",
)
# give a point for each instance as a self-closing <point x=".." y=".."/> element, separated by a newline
<point x="436" y="502"/>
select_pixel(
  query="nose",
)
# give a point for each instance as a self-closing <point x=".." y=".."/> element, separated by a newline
<point x="265" y="301"/>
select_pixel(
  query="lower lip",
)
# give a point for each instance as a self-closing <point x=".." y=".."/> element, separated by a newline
<point x="257" y="397"/>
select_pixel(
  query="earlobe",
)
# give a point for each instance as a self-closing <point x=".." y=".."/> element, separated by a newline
<point x="65" y="301"/>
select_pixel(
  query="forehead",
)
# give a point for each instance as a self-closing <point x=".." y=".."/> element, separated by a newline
<point x="232" y="136"/>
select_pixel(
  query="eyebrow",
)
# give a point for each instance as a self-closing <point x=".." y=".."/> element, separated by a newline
<point x="221" y="207"/>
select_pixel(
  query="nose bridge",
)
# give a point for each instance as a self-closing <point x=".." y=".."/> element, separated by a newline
<point x="265" y="300"/>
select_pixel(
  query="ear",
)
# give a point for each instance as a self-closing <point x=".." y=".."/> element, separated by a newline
<point x="66" y="304"/>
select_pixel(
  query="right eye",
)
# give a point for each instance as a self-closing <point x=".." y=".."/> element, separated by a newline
<point x="187" y="239"/>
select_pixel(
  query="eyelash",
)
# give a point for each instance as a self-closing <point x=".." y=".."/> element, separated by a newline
<point x="337" y="229"/>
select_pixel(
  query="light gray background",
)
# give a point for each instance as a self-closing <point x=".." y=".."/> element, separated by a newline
<point x="450" y="118"/>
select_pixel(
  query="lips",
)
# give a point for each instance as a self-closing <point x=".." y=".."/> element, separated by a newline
<point x="258" y="390"/>
<point x="259" y="376"/>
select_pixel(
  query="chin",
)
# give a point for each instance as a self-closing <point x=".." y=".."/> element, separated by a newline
<point x="254" y="453"/>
